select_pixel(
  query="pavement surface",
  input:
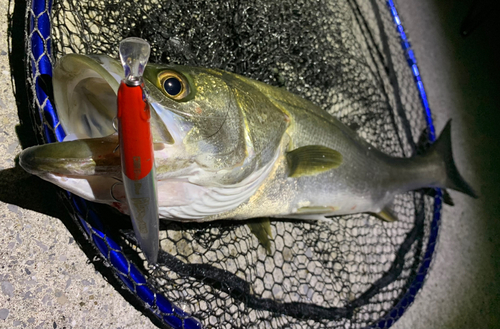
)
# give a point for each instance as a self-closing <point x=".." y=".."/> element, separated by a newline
<point x="46" y="280"/>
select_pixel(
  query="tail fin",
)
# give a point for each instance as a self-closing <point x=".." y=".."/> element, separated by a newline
<point x="454" y="180"/>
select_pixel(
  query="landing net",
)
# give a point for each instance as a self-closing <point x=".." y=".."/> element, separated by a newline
<point x="350" y="57"/>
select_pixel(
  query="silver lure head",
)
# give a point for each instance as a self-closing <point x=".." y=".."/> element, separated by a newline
<point x="134" y="56"/>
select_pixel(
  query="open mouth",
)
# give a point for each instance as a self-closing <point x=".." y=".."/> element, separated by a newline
<point x="87" y="162"/>
<point x="85" y="95"/>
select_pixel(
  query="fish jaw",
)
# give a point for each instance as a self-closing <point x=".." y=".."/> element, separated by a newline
<point x="79" y="158"/>
<point x="87" y="163"/>
<point x="89" y="168"/>
<point x="101" y="189"/>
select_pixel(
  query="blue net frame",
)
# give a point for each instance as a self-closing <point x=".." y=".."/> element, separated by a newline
<point x="39" y="41"/>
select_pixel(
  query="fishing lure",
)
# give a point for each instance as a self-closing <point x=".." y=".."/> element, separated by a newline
<point x="136" y="147"/>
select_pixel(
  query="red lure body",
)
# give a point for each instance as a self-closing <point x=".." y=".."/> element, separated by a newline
<point x="136" y="143"/>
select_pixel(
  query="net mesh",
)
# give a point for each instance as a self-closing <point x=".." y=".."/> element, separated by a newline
<point x="345" y="56"/>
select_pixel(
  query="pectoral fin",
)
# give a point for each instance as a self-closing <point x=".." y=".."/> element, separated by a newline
<point x="312" y="160"/>
<point x="262" y="231"/>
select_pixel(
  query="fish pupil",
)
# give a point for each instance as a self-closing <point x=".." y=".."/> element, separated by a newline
<point x="172" y="86"/>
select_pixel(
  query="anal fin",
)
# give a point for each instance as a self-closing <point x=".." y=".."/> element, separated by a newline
<point x="261" y="228"/>
<point x="386" y="214"/>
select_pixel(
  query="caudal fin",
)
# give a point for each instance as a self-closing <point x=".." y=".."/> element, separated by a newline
<point x="453" y="180"/>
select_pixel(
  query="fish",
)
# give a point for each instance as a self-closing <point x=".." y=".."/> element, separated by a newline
<point x="227" y="147"/>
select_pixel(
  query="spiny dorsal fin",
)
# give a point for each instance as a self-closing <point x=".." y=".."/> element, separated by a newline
<point x="262" y="231"/>
<point x="312" y="160"/>
<point x="386" y="214"/>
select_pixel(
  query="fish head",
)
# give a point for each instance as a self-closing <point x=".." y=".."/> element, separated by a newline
<point x="201" y="114"/>
<point x="210" y="129"/>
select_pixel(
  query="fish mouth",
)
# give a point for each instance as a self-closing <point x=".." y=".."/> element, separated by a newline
<point x="85" y="89"/>
<point x="88" y="160"/>
<point x="85" y="96"/>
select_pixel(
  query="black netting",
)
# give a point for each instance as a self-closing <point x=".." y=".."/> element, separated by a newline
<point x="344" y="55"/>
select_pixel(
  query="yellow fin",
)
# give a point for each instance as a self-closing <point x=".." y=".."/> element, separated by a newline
<point x="312" y="160"/>
<point x="386" y="214"/>
<point x="262" y="231"/>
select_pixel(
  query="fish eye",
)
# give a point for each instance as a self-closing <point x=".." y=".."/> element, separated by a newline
<point x="173" y="85"/>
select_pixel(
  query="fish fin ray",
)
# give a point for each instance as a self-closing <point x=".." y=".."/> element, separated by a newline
<point x="386" y="214"/>
<point x="312" y="160"/>
<point x="261" y="228"/>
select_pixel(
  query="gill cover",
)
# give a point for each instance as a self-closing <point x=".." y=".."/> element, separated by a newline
<point x="230" y="127"/>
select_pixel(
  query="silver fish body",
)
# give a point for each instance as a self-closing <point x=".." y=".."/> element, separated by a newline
<point x="227" y="147"/>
